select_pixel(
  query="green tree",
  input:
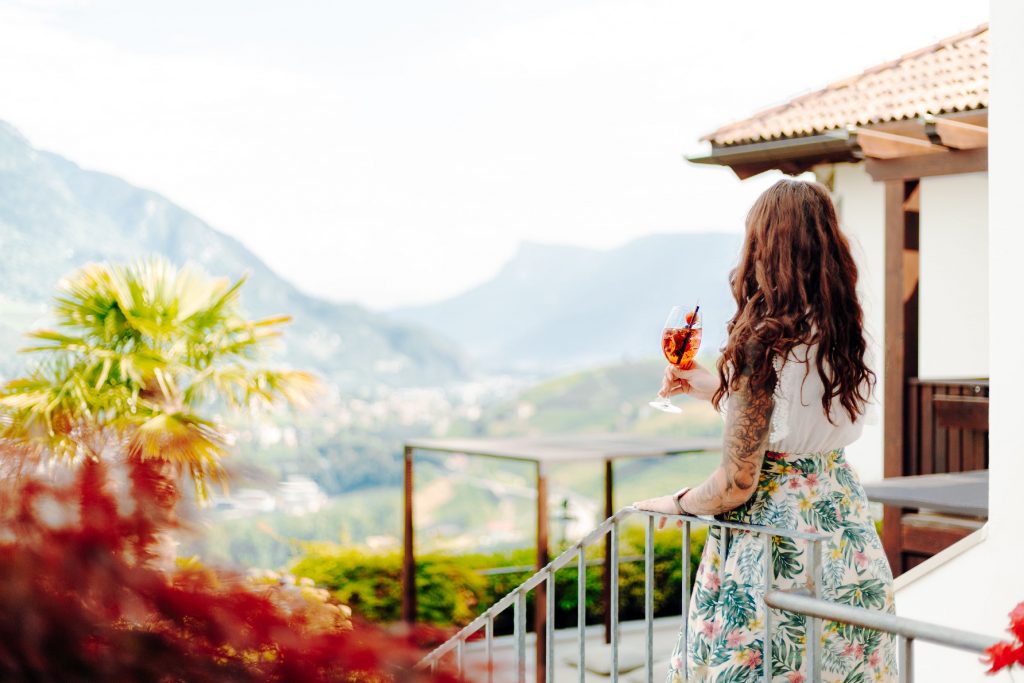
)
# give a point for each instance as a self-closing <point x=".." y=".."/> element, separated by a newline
<point x="142" y="356"/>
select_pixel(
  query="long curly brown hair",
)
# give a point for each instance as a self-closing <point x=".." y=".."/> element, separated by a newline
<point x="796" y="283"/>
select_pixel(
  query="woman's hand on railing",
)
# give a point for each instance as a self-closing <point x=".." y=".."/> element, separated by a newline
<point x="695" y="380"/>
<point x="663" y="504"/>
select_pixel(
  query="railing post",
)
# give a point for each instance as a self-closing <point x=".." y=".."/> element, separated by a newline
<point x="649" y="598"/>
<point x="613" y="607"/>
<point x="581" y="611"/>
<point x="812" y="625"/>
<point x="489" y="633"/>
<point x="549" y="630"/>
<point x="906" y="659"/>
<point x="519" y="613"/>
<point x="686" y="600"/>
<point x="540" y="597"/>
<point x="606" y="580"/>
<point x="408" y="544"/>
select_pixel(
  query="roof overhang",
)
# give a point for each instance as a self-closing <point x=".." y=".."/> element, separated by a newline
<point x="956" y="143"/>
<point x="790" y="155"/>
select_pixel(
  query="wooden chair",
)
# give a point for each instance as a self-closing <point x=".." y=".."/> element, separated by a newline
<point x="954" y="438"/>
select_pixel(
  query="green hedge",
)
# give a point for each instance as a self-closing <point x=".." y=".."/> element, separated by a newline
<point x="451" y="591"/>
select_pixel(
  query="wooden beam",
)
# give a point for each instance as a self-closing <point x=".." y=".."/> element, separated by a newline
<point x="913" y="202"/>
<point x="925" y="165"/>
<point x="894" y="329"/>
<point x="901" y="312"/>
<point x="879" y="145"/>
<point x="960" y="135"/>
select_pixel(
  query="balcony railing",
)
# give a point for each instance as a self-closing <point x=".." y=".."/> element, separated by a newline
<point x="907" y="630"/>
<point x="517" y="598"/>
<point x="811" y="605"/>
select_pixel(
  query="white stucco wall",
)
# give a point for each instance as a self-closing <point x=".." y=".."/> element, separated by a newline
<point x="975" y="590"/>
<point x="953" y="285"/>
<point x="953" y="308"/>
<point x="861" y="206"/>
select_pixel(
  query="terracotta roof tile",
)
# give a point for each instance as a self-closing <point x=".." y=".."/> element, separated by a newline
<point x="949" y="76"/>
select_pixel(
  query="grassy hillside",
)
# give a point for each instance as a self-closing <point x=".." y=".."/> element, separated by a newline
<point x="611" y="398"/>
<point x="459" y="507"/>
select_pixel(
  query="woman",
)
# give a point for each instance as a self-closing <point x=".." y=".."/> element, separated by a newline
<point x="794" y="386"/>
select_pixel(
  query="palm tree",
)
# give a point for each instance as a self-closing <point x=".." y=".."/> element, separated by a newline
<point x="141" y="356"/>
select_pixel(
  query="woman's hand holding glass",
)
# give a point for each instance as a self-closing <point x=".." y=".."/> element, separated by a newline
<point x="694" y="380"/>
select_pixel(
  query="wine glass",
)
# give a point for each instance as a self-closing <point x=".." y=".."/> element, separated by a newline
<point x="679" y="342"/>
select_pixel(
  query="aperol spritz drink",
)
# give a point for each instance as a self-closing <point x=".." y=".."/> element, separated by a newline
<point x="680" y="341"/>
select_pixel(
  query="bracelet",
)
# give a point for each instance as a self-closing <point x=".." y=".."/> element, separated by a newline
<point x="677" y="495"/>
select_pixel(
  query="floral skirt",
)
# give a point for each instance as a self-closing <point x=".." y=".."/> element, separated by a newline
<point x="815" y="492"/>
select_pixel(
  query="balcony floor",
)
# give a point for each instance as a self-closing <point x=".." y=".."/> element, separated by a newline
<point x="631" y="654"/>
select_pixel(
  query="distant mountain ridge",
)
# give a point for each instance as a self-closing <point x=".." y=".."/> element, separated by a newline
<point x="56" y="216"/>
<point x="556" y="308"/>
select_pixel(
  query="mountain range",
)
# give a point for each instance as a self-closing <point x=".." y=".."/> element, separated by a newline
<point x="56" y="216"/>
<point x="551" y="308"/>
<point x="559" y="308"/>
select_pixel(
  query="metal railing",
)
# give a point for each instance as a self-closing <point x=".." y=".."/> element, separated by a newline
<point x="517" y="598"/>
<point x="907" y="630"/>
<point x="528" y="568"/>
<point x="809" y="604"/>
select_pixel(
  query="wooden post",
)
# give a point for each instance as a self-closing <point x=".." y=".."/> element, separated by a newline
<point x="409" y="557"/>
<point x="540" y="592"/>
<point x="902" y="241"/>
<point x="606" y="577"/>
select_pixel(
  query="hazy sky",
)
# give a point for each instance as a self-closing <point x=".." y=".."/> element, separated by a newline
<point x="397" y="151"/>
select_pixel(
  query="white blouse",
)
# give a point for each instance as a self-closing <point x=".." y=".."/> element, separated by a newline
<point x="799" y="424"/>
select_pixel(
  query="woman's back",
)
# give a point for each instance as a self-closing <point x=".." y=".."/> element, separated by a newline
<point x="799" y="423"/>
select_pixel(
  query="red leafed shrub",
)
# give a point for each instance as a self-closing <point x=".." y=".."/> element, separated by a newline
<point x="83" y="598"/>
<point x="1009" y="653"/>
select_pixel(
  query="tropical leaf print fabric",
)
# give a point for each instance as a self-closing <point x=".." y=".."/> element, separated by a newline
<point x="814" y="492"/>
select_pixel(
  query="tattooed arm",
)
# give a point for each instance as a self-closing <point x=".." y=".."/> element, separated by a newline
<point x="747" y="425"/>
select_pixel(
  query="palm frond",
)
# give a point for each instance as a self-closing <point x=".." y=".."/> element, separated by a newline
<point x="138" y="349"/>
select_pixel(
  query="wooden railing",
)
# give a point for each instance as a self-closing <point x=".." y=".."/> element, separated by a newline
<point x="947" y="426"/>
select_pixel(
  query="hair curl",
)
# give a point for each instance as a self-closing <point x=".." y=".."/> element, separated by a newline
<point x="796" y="283"/>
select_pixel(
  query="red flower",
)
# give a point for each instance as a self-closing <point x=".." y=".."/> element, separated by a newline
<point x="1007" y="653"/>
<point x="1002" y="655"/>
<point x="1017" y="622"/>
